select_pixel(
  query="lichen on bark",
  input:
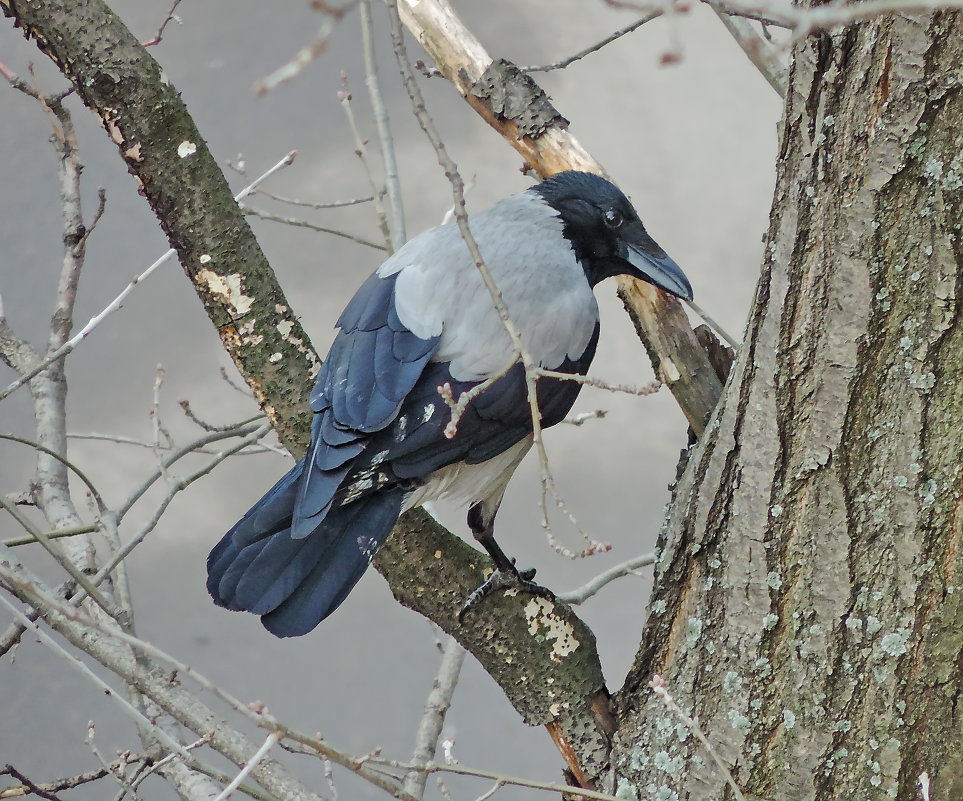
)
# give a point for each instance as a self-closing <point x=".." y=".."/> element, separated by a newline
<point x="806" y="606"/>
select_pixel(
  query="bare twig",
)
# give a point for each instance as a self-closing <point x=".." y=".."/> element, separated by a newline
<point x="269" y="743"/>
<point x="733" y="343"/>
<point x="225" y="778"/>
<point x="385" y="140"/>
<point x="47" y="789"/>
<point x="171" y="17"/>
<point x="75" y="663"/>
<point x="101" y="506"/>
<point x="51" y="535"/>
<point x="459" y="769"/>
<point x="592" y="587"/>
<point x="62" y="559"/>
<point x="583" y="417"/>
<point x="156" y="425"/>
<point x="433" y="718"/>
<point x="119" y="772"/>
<point x="310" y="204"/>
<point x="763" y="55"/>
<point x="154" y="767"/>
<point x="299" y="223"/>
<point x="804" y="20"/>
<point x="361" y="151"/>
<point x="558" y="65"/>
<point x="27" y="787"/>
<point x="306" y="54"/>
<point x="174" y="486"/>
<point x="243" y="430"/>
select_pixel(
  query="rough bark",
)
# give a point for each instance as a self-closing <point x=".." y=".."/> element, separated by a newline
<point x="807" y="606"/>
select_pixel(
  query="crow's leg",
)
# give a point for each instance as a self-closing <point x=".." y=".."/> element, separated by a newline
<point x="506" y="575"/>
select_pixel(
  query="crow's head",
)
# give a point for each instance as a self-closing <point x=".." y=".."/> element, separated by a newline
<point x="606" y="233"/>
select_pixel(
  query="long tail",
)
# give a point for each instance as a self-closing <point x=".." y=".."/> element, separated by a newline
<point x="295" y="583"/>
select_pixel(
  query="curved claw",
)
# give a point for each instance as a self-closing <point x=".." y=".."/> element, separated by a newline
<point x="505" y="580"/>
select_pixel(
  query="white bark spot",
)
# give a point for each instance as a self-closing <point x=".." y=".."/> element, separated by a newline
<point x="229" y="288"/>
<point x="284" y="329"/>
<point x="185" y="149"/>
<point x="246" y="333"/>
<point x="670" y="373"/>
<point x="544" y="620"/>
<point x="274" y="358"/>
<point x="205" y="258"/>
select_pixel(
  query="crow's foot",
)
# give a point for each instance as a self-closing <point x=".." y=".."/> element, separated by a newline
<point x="512" y="579"/>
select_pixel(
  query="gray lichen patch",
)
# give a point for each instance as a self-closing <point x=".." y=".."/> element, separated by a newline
<point x="514" y="96"/>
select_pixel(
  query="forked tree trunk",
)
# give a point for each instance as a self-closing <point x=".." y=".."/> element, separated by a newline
<point x="808" y="606"/>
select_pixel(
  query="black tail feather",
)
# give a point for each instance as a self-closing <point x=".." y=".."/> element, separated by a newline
<point x="295" y="584"/>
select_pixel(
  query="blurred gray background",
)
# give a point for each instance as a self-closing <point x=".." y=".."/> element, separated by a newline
<point x="693" y="144"/>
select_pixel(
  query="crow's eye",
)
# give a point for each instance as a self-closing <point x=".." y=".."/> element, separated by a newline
<point x="614" y="218"/>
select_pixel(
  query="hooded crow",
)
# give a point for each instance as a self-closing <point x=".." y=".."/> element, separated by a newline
<point x="422" y="320"/>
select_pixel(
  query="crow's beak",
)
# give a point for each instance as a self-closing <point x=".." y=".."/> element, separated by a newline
<point x="658" y="268"/>
<point x="655" y="266"/>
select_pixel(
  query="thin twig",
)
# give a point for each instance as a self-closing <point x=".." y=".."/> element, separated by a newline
<point x="385" y="140"/>
<point x="733" y="343"/>
<point x="243" y="430"/>
<point x="225" y="778"/>
<point x="592" y="587"/>
<point x="154" y="767"/>
<point x="299" y="223"/>
<point x="171" y="17"/>
<point x="763" y="56"/>
<point x="433" y="717"/>
<point x="559" y="65"/>
<point x="310" y="204"/>
<point x="156" y="426"/>
<point x="51" y="535"/>
<point x="460" y="769"/>
<point x="101" y="506"/>
<point x="174" y="486"/>
<point x="804" y="20"/>
<point x="361" y="151"/>
<point x="269" y="743"/>
<point x="75" y="663"/>
<point x="120" y="774"/>
<point x="307" y="54"/>
<point x="582" y="418"/>
<point x="47" y="789"/>
<point x="62" y="559"/>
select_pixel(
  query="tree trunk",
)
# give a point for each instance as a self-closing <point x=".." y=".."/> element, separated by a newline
<point x="807" y="607"/>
